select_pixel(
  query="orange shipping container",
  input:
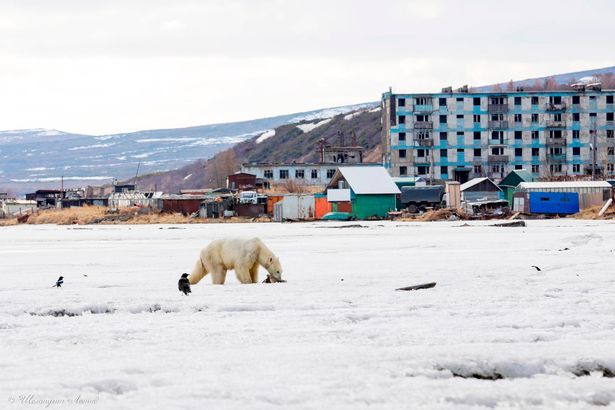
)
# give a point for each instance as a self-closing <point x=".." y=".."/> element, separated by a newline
<point x="271" y="200"/>
<point x="323" y="206"/>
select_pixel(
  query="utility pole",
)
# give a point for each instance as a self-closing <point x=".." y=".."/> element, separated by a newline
<point x="593" y="146"/>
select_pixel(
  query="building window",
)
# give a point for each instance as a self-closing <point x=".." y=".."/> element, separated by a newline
<point x="401" y="102"/>
<point x="496" y="168"/>
<point x="556" y="167"/>
<point x="442" y="102"/>
<point x="299" y="173"/>
<point x="535" y="135"/>
<point x="460" y="150"/>
<point x="420" y="153"/>
<point x="610" y="168"/>
<point x="283" y="174"/>
<point x="460" y="116"/>
<point x="459" y="99"/>
<point x="576" y="168"/>
<point x="535" y="169"/>
<point x="518" y="135"/>
<point x="557" y="117"/>
<point x="476" y="135"/>
<point x="268" y="174"/>
<point x="402" y="136"/>
<point x="478" y="152"/>
<point x="423" y="169"/>
<point x="443" y="171"/>
<point x="610" y="151"/>
<point x="330" y="173"/>
<point x="518" y="166"/>
<point x="576" y="151"/>
<point x="403" y="171"/>
<point x="402" y="153"/>
<point x="476" y="118"/>
<point x="610" y="133"/>
<point x="443" y="153"/>
<point x="576" y="134"/>
<point x="443" y="119"/>
<point x="535" y="152"/>
<point x="478" y="169"/>
<point x="518" y="117"/>
<point x="609" y="116"/>
<point x="609" y="99"/>
<point x="576" y="99"/>
<point x="534" y="100"/>
<point x="402" y="119"/>
<point x="576" y="117"/>
<point x="534" y="118"/>
<point x="443" y="136"/>
<point x="314" y="174"/>
<point x="476" y="101"/>
<point x="518" y="152"/>
<point x="517" y="100"/>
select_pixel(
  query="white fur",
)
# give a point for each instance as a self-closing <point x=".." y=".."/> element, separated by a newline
<point x="242" y="255"/>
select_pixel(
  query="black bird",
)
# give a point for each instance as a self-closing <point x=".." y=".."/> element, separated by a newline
<point x="537" y="268"/>
<point x="59" y="282"/>
<point x="184" y="284"/>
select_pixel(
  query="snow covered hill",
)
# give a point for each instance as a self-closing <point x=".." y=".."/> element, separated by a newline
<point x="38" y="158"/>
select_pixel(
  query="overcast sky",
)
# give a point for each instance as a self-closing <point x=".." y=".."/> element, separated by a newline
<point x="110" y="66"/>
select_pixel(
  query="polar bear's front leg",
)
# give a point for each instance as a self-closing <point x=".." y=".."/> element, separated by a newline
<point x="218" y="276"/>
<point x="243" y="274"/>
<point x="254" y="272"/>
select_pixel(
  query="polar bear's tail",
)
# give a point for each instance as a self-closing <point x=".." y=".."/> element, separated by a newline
<point x="198" y="272"/>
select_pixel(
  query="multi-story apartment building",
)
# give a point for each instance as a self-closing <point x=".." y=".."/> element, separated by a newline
<point x="462" y="135"/>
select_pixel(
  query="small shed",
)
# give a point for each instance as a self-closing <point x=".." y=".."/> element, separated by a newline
<point x="480" y="190"/>
<point x="512" y="180"/>
<point x="241" y="181"/>
<point x="591" y="193"/>
<point x="370" y="190"/>
<point x="295" y="207"/>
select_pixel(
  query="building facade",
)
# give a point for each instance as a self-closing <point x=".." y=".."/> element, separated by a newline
<point x="308" y="174"/>
<point x="463" y="135"/>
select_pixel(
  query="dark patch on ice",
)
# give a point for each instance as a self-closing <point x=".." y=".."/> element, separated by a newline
<point x="117" y="387"/>
<point x="71" y="313"/>
<point x="343" y="226"/>
<point x="483" y="375"/>
<point x="587" y="369"/>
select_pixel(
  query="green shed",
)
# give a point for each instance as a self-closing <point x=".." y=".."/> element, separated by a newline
<point x="512" y="180"/>
<point x="370" y="191"/>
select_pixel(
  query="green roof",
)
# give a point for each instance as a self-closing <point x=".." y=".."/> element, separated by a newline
<point x="515" y="177"/>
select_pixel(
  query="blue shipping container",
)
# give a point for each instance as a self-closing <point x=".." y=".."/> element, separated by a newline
<point x="554" y="202"/>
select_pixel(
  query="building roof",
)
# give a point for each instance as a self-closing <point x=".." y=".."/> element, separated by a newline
<point x="564" y="184"/>
<point x="366" y="180"/>
<point x="515" y="177"/>
<point x="473" y="182"/>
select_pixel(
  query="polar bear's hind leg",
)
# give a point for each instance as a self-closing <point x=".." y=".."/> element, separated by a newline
<point x="198" y="272"/>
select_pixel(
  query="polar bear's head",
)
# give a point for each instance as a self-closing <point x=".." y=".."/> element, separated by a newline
<point x="274" y="267"/>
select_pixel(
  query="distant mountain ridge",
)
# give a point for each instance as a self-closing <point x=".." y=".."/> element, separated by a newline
<point x="39" y="158"/>
<point x="559" y="79"/>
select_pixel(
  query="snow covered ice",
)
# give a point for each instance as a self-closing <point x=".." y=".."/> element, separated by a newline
<point x="494" y="332"/>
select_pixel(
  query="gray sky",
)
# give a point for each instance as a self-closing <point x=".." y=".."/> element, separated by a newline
<point x="109" y="66"/>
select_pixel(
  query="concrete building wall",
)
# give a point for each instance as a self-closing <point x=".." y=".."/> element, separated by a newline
<point x="547" y="133"/>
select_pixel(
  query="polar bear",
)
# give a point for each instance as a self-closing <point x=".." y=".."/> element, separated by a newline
<point x="242" y="255"/>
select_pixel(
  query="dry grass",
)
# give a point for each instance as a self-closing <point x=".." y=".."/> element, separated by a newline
<point x="592" y="213"/>
<point x="101" y="215"/>
<point x="8" y="222"/>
